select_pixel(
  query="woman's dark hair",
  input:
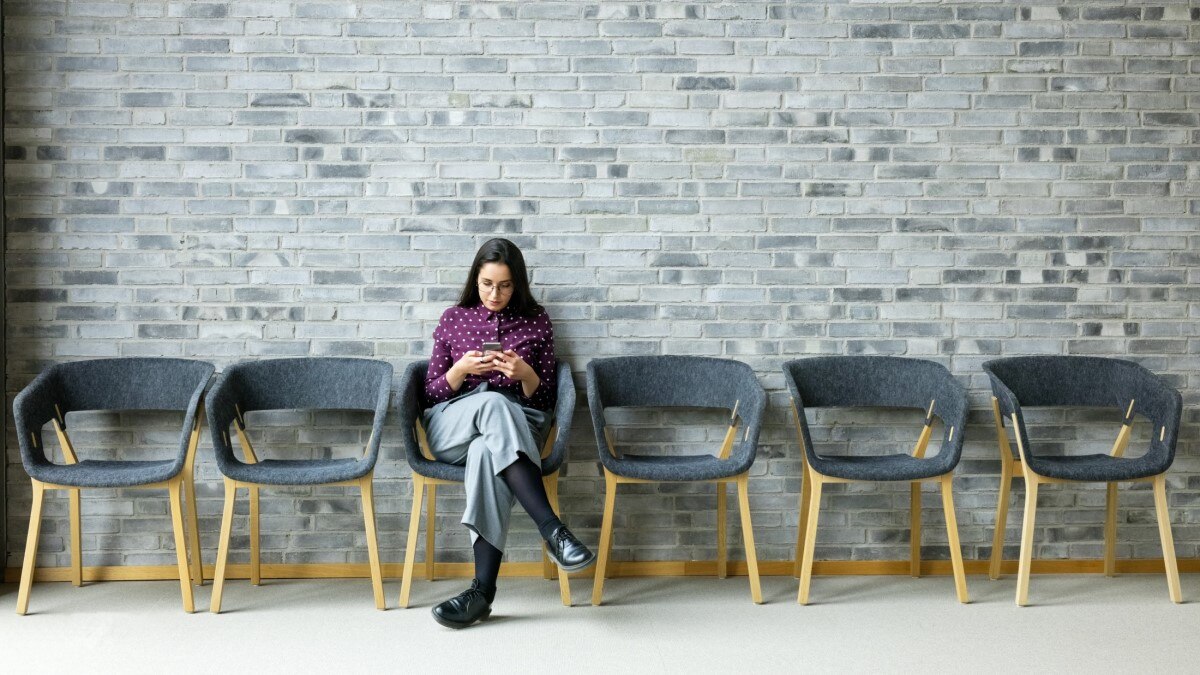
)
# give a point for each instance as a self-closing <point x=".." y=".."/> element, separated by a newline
<point x="504" y="252"/>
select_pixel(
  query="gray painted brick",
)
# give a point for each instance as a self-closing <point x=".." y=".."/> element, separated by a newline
<point x="742" y="180"/>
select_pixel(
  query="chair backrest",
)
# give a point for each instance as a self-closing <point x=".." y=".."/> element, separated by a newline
<point x="674" y="381"/>
<point x="678" y="381"/>
<point x="1086" y="381"/>
<point x="874" y="381"/>
<point x="312" y="383"/>
<point x="129" y="383"/>
<point x="1083" y="381"/>
<point x="880" y="382"/>
<point x="135" y="383"/>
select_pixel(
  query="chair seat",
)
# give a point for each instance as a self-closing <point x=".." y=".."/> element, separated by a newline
<point x="1096" y="467"/>
<point x="673" y="468"/>
<point x="439" y="470"/>
<point x="104" y="473"/>
<point x="456" y="472"/>
<point x="299" y="471"/>
<point x="895" y="467"/>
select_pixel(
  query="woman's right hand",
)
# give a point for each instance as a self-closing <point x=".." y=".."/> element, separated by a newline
<point x="471" y="363"/>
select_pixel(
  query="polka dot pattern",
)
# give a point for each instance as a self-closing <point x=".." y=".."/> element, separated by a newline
<point x="463" y="329"/>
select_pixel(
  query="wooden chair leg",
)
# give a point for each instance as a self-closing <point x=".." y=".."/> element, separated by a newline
<point x="1026" y="562"/>
<point x="606" y="533"/>
<point x="550" y="483"/>
<point x="366" y="489"/>
<point x="608" y="573"/>
<point x="810" y="538"/>
<point x="76" y="540"/>
<point x="956" y="560"/>
<point x="564" y="583"/>
<point x="31" y="544"/>
<point x="189" y="487"/>
<point x="1168" y="541"/>
<point x="722" y="535"/>
<point x="1006" y="477"/>
<point x="802" y="525"/>
<point x="1110" y="530"/>
<point x="914" y="520"/>
<point x="175" y="494"/>
<point x="255" y="551"/>
<point x="223" y="547"/>
<point x="410" y="552"/>
<point x="743" y="486"/>
<point x="430" y="530"/>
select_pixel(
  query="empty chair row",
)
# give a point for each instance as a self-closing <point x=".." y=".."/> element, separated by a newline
<point x="622" y="382"/>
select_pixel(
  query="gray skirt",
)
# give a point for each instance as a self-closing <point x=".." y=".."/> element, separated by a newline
<point x="484" y="430"/>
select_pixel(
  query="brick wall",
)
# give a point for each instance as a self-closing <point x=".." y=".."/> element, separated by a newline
<point x="759" y="181"/>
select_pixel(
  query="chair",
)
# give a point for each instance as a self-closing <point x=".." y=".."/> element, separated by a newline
<point x="428" y="473"/>
<point x="889" y="382"/>
<point x="1049" y="381"/>
<point x="679" y="381"/>
<point x="295" y="384"/>
<point x="111" y="384"/>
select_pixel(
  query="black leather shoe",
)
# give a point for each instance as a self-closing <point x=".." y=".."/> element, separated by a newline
<point x="463" y="609"/>
<point x="568" y="552"/>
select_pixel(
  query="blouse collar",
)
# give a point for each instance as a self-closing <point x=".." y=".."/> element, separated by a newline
<point x="482" y="311"/>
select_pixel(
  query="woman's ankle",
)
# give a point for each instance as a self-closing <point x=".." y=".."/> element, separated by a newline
<point x="547" y="527"/>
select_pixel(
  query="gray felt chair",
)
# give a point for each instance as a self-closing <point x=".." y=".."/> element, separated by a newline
<point x="295" y="384"/>
<point x="428" y="473"/>
<point x="679" y="381"/>
<point x="1083" y="381"/>
<point x="116" y="385"/>
<point x="881" y="382"/>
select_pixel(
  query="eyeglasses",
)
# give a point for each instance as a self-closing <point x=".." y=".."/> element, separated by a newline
<point x="504" y="288"/>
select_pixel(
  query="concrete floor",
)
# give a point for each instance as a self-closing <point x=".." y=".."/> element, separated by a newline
<point x="695" y="624"/>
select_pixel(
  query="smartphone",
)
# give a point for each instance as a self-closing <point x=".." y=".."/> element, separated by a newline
<point x="491" y="347"/>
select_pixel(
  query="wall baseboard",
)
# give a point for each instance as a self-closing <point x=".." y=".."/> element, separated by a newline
<point x="784" y="568"/>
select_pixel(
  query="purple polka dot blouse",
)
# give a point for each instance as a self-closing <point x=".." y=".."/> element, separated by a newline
<point x="463" y="329"/>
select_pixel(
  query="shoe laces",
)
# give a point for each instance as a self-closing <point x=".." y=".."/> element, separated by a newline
<point x="563" y="536"/>
<point x="473" y="591"/>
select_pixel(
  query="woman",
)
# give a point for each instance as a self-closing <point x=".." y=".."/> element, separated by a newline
<point x="492" y="411"/>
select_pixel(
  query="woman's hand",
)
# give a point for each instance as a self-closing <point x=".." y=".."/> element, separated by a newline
<point x="471" y="363"/>
<point x="512" y="366"/>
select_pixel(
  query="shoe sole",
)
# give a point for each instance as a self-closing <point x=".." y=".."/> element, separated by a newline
<point x="456" y="625"/>
<point x="573" y="568"/>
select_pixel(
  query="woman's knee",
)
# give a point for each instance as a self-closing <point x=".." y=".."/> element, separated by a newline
<point x="492" y="399"/>
<point x="477" y="448"/>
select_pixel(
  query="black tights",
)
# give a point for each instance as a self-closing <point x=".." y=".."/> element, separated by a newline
<point x="524" y="478"/>
<point x="487" y="566"/>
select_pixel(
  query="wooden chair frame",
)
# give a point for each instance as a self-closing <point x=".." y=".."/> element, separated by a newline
<point x="421" y="484"/>
<point x="366" y="490"/>
<point x="813" y="481"/>
<point x="1009" y="468"/>
<point x="183" y="483"/>
<point x="612" y="480"/>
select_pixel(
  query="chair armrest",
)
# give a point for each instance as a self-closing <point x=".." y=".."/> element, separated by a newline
<point x="751" y="412"/>
<point x="564" y="412"/>
<point x="804" y="438"/>
<point x="596" y="409"/>
<point x="383" y="401"/>
<point x="953" y="408"/>
<point x="33" y="407"/>
<point x="193" y="409"/>
<point x="408" y="401"/>
<point x="221" y="408"/>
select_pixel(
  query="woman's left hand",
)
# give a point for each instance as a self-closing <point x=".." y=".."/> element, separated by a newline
<point x="512" y="366"/>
